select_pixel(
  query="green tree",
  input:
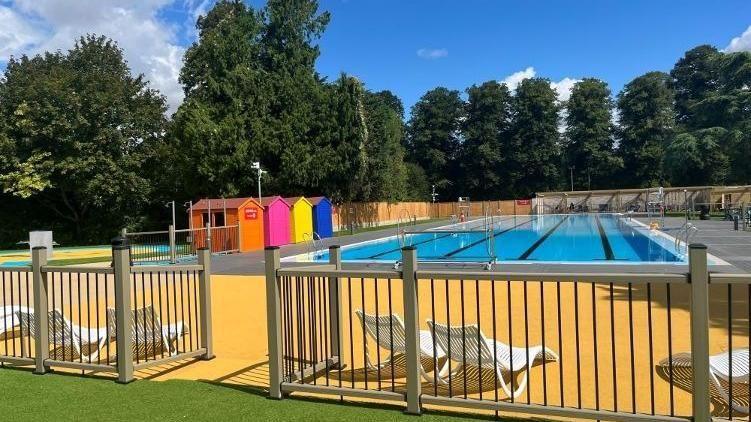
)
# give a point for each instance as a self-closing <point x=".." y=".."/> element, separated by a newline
<point x="84" y="134"/>
<point x="647" y="124"/>
<point x="694" y="78"/>
<point x="534" y="152"/>
<point x="589" y="139"/>
<point x="486" y="131"/>
<point x="697" y="159"/>
<point x="386" y="173"/>
<point x="419" y="188"/>
<point x="434" y="137"/>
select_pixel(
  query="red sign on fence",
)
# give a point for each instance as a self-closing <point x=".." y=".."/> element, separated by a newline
<point x="251" y="213"/>
<point x="522" y="202"/>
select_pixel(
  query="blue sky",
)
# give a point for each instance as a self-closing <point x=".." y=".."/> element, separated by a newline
<point x="411" y="46"/>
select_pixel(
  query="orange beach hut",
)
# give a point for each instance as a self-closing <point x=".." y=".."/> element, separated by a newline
<point x="246" y="213"/>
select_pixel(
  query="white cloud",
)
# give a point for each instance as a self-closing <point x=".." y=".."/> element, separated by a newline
<point x="563" y="87"/>
<point x="432" y="53"/>
<point x="150" y="45"/>
<point x="742" y="43"/>
<point x="16" y="34"/>
<point x="513" y="80"/>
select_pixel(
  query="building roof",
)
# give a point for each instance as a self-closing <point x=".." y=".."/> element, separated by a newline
<point x="294" y="199"/>
<point x="268" y="200"/>
<point x="221" y="203"/>
<point x="317" y="199"/>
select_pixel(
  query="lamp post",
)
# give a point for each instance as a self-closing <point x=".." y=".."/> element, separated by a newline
<point x="257" y="165"/>
<point x="571" y="170"/>
<point x="189" y="204"/>
<point x="171" y="204"/>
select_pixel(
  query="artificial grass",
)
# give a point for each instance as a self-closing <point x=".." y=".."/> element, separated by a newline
<point x="67" y="397"/>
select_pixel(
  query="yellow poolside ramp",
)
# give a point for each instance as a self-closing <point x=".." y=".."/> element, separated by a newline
<point x="301" y="218"/>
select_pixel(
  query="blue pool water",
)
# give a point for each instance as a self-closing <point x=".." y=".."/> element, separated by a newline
<point x="579" y="238"/>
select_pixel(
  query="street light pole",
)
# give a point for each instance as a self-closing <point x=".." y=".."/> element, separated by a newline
<point x="171" y="204"/>
<point x="571" y="169"/>
<point x="257" y="165"/>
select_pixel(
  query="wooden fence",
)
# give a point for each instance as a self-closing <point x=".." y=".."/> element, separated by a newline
<point x="373" y="214"/>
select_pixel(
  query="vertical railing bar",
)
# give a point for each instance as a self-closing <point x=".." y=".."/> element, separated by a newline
<point x="730" y="350"/>
<point x="174" y="309"/>
<point x="168" y="314"/>
<point x="325" y="304"/>
<point x="479" y="330"/>
<point x="153" y="310"/>
<point x="594" y="347"/>
<point x="510" y="340"/>
<point x="182" y="309"/>
<point x="464" y="339"/>
<point x="578" y="353"/>
<point x="5" y="320"/>
<point x="143" y="309"/>
<point x="378" y="333"/>
<point x="433" y="338"/>
<point x="651" y="349"/>
<point x="196" y="314"/>
<point x="139" y="340"/>
<point x="448" y="352"/>
<point x="670" y="350"/>
<point x="54" y="305"/>
<point x="300" y="317"/>
<point x="70" y="318"/>
<point x="190" y="307"/>
<point x="526" y="341"/>
<point x="612" y="350"/>
<point x="351" y="332"/>
<point x="312" y="294"/>
<point x="364" y="338"/>
<point x="495" y="345"/>
<point x="544" y="348"/>
<point x="106" y="314"/>
<point x="631" y="345"/>
<point x="88" y="314"/>
<point x="29" y="306"/>
<point x="391" y="338"/>
<point x="164" y="284"/>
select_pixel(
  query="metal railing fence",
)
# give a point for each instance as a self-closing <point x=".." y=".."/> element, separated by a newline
<point x="178" y="245"/>
<point x="116" y="319"/>
<point x="628" y="347"/>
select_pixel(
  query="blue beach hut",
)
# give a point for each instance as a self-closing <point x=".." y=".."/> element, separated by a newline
<point x="322" y="218"/>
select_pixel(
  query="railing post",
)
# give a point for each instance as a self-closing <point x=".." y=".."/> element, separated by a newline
<point x="124" y="329"/>
<point x="274" y="321"/>
<point x="697" y="261"/>
<point x="41" y="314"/>
<point x="335" y="322"/>
<point x="204" y="289"/>
<point x="208" y="237"/>
<point x="172" y="245"/>
<point x="412" y="328"/>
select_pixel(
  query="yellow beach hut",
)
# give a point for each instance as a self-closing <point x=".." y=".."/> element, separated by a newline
<point x="301" y="219"/>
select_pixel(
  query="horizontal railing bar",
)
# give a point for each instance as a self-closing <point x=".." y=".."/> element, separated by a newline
<point x="635" y="278"/>
<point x="81" y="365"/>
<point x="16" y="360"/>
<point x="316" y="272"/>
<point x="164" y="268"/>
<point x="181" y="356"/>
<point x="81" y="270"/>
<point x="21" y="269"/>
<point x="341" y="391"/>
<point x="546" y="410"/>
<point x="146" y="233"/>
<point x="729" y="278"/>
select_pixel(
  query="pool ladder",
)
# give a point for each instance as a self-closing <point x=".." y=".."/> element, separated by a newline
<point x="315" y="245"/>
<point x="685" y="233"/>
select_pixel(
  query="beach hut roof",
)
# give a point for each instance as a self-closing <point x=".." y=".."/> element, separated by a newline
<point x="219" y="203"/>
<point x="317" y="199"/>
<point x="268" y="200"/>
<point x="293" y="200"/>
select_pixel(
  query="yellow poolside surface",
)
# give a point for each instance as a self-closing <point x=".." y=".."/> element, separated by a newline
<point x="590" y="372"/>
<point x="240" y="340"/>
<point x="57" y="254"/>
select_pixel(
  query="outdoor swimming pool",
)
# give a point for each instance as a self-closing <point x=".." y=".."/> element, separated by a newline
<point x="573" y="238"/>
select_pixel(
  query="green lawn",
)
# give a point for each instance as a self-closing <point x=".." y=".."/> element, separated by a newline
<point x="64" y="397"/>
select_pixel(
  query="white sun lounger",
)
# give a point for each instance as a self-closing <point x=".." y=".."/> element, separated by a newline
<point x="71" y="341"/>
<point x="150" y="337"/>
<point x="719" y="373"/>
<point x="465" y="348"/>
<point x="9" y="318"/>
<point x="389" y="333"/>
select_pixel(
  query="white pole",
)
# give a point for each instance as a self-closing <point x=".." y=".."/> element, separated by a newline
<point x="259" y="183"/>
<point x="173" y="214"/>
<point x="224" y="210"/>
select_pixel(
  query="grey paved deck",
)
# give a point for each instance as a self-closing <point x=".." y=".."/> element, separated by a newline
<point x="719" y="236"/>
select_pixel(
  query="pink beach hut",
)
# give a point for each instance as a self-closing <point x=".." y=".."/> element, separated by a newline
<point x="275" y="221"/>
